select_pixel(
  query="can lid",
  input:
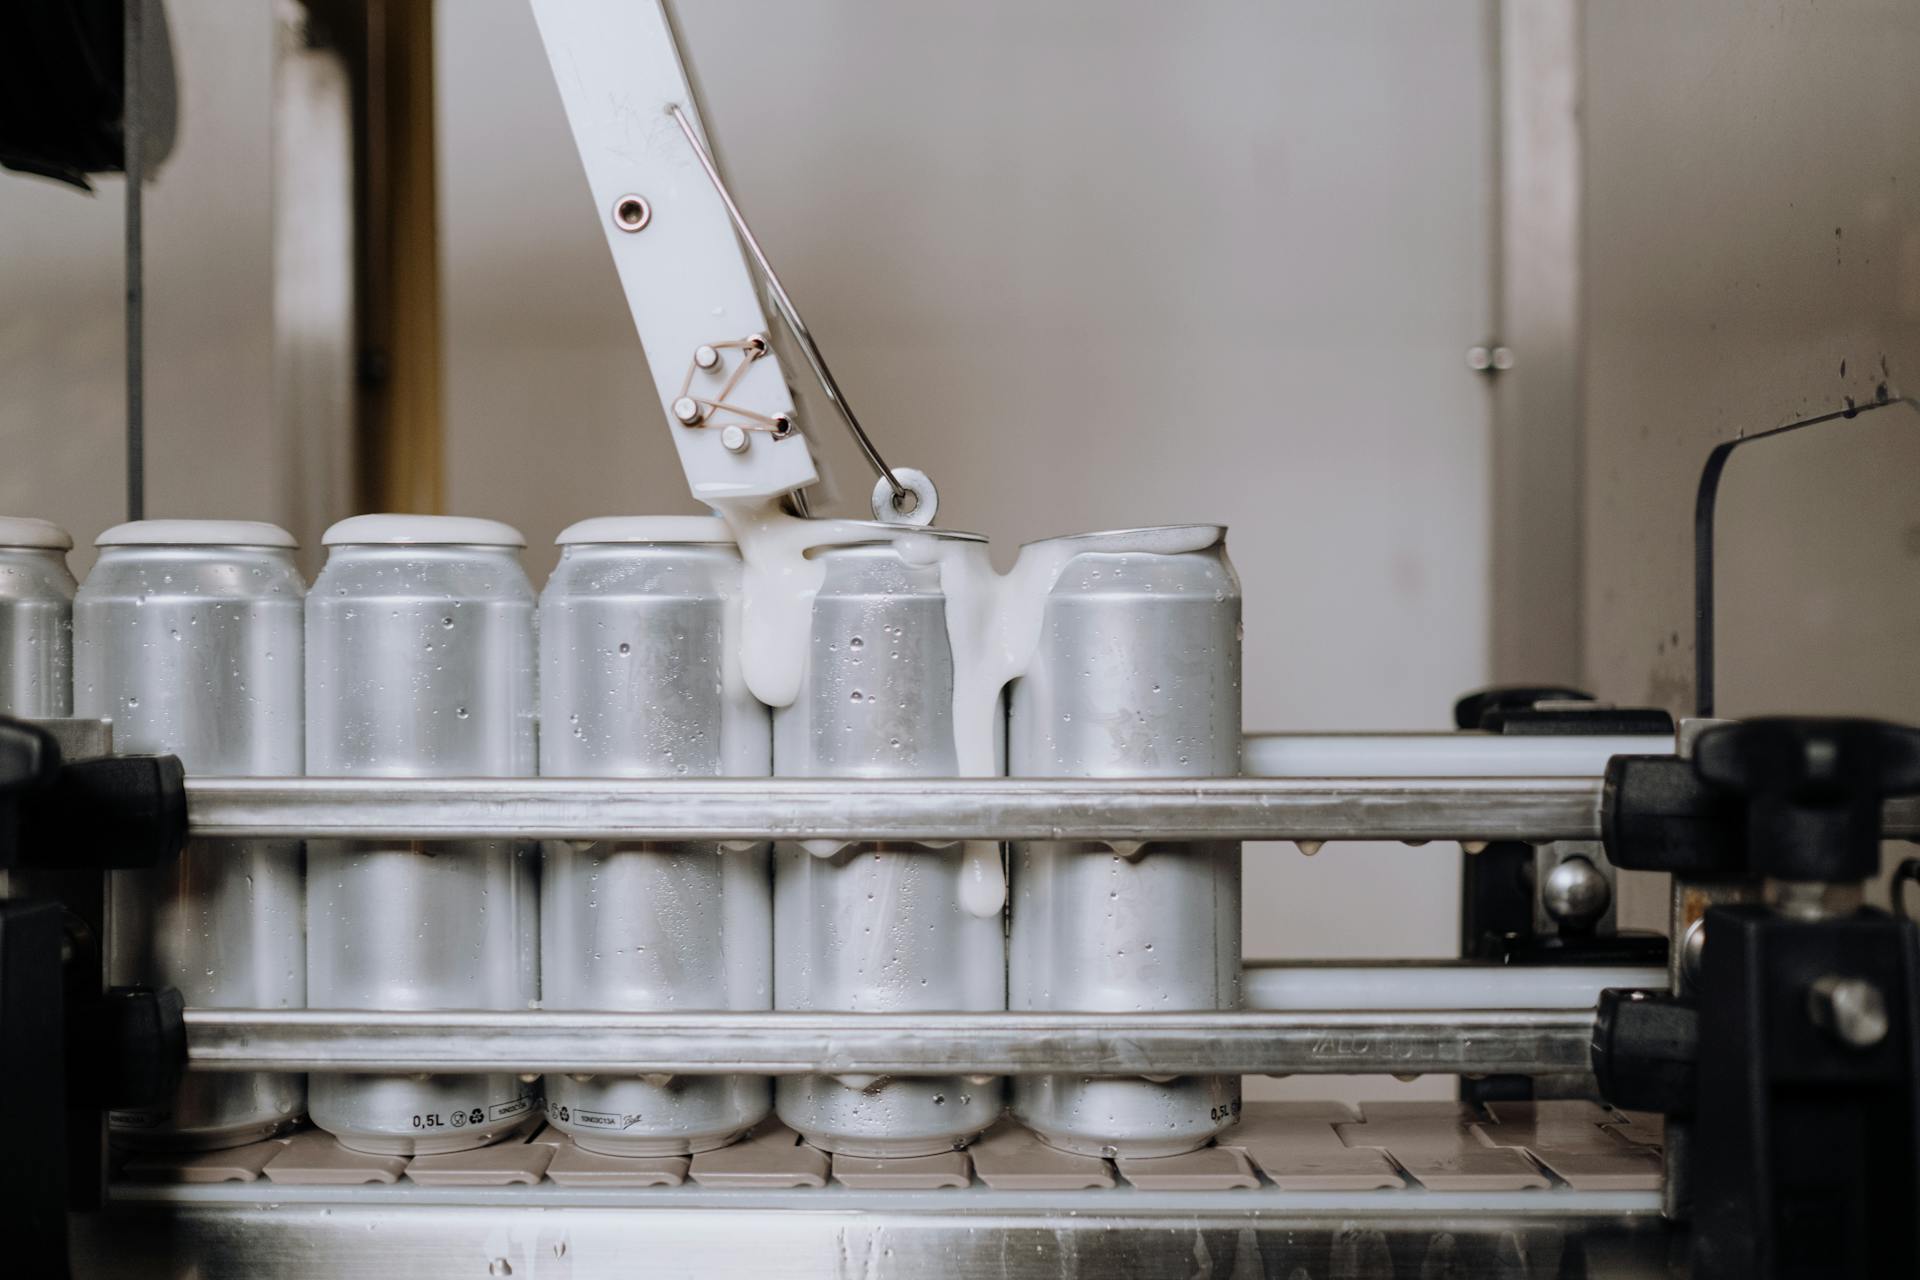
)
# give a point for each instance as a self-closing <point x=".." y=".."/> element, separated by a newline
<point x="25" y="531"/>
<point x="196" y="533"/>
<point x="657" y="529"/>
<point x="1166" y="539"/>
<point x="422" y="531"/>
<point x="860" y="533"/>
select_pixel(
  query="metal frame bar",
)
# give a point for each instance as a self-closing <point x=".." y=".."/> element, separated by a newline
<point x="1409" y="809"/>
<point x="1441" y="1041"/>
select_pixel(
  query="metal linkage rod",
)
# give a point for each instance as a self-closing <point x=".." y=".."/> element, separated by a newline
<point x="1457" y="1041"/>
<point x="1413" y="809"/>
<point x="902" y="809"/>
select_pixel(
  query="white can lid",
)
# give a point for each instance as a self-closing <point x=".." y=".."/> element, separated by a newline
<point x="1166" y="539"/>
<point x="196" y="533"/>
<point x="25" y="531"/>
<point x="422" y="531"/>
<point x="658" y="529"/>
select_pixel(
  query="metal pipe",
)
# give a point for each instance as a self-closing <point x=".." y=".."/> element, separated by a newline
<point x="895" y="809"/>
<point x="1412" y="809"/>
<point x="1458" y="1041"/>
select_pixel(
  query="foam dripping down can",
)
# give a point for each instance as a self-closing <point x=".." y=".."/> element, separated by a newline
<point x="639" y="679"/>
<point x="36" y="619"/>
<point x="187" y="636"/>
<point x="869" y="926"/>
<point x="420" y="664"/>
<point x="1136" y="675"/>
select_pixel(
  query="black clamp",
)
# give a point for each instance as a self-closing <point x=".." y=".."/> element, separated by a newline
<point x="1793" y="1070"/>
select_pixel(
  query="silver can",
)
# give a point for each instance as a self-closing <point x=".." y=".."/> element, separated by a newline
<point x="876" y="927"/>
<point x="639" y="678"/>
<point x="187" y="635"/>
<point x="1137" y="675"/>
<point x="420" y="664"/>
<point x="36" y="619"/>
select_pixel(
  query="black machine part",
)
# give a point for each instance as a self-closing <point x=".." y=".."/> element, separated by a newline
<point x="68" y="1050"/>
<point x="1803" y="1103"/>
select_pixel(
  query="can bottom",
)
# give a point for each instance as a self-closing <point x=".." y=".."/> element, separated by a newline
<point x="196" y="1139"/>
<point x="642" y="1148"/>
<point x="890" y="1117"/>
<point x="386" y="1144"/>
<point x="1127" y="1119"/>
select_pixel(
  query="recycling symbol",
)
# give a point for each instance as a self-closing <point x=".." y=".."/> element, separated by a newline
<point x="565" y="1114"/>
<point x="477" y="1116"/>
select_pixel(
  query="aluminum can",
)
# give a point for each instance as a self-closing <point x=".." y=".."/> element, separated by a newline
<point x="874" y="927"/>
<point x="36" y="619"/>
<point x="187" y="636"/>
<point x="420" y="664"/>
<point x="640" y="678"/>
<point x="1137" y="675"/>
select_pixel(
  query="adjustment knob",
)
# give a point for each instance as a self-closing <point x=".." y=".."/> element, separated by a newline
<point x="1814" y="789"/>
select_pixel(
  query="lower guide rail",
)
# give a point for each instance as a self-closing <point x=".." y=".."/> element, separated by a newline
<point x="1241" y="1042"/>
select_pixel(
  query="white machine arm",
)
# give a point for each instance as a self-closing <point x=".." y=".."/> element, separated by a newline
<point x="694" y="299"/>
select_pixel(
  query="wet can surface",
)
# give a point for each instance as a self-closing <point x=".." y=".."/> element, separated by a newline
<point x="420" y="664"/>
<point x="36" y="619"/>
<point x="873" y="927"/>
<point x="639" y="678"/>
<point x="1137" y="675"/>
<point x="187" y="635"/>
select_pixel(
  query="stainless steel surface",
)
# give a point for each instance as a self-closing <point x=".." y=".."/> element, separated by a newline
<point x="1439" y="755"/>
<point x="1137" y="674"/>
<point x="195" y="650"/>
<point x="866" y="926"/>
<point x="36" y="632"/>
<point x="219" y="1233"/>
<point x="1237" y="1042"/>
<point x="420" y="661"/>
<point x="788" y="312"/>
<point x="1534" y="809"/>
<point x="636" y="681"/>
<point x="1576" y="893"/>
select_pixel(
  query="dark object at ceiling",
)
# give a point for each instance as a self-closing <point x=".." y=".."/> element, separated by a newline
<point x="63" y="87"/>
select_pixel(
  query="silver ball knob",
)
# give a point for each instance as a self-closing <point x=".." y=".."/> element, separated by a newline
<point x="1576" y="893"/>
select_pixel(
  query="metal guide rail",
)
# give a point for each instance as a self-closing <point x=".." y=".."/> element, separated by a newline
<point x="1409" y="809"/>
<point x="1244" y="1042"/>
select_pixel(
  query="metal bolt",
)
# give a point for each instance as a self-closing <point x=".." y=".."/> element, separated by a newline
<point x="1851" y="1010"/>
<point x="1693" y="951"/>
<point x="706" y="357"/>
<point x="688" y="410"/>
<point x="733" y="439"/>
<point x="632" y="213"/>
<point x="1576" y="893"/>
<point x="1484" y="359"/>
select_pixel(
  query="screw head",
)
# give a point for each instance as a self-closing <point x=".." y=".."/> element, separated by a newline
<point x="1851" y="1010"/>
<point x="733" y="439"/>
<point x="687" y="410"/>
<point x="632" y="213"/>
<point x="706" y="357"/>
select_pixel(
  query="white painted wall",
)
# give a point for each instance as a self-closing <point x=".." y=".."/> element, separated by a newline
<point x="1090" y="264"/>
